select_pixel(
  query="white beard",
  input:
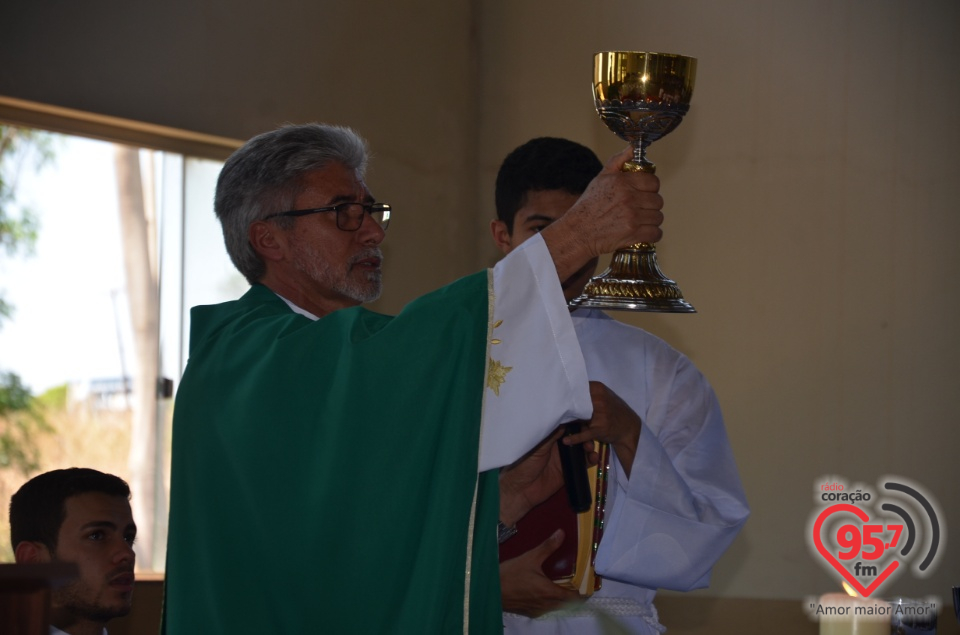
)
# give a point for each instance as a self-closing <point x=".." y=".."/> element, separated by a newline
<point x="309" y="261"/>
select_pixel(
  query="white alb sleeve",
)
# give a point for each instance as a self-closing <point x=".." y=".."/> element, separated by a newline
<point x="536" y="376"/>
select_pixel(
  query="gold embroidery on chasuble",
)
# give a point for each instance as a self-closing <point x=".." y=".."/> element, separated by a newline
<point x="496" y="372"/>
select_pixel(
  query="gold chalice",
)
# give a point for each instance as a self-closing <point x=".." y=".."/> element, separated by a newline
<point x="640" y="97"/>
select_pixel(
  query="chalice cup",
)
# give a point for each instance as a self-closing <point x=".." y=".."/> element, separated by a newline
<point x="640" y="97"/>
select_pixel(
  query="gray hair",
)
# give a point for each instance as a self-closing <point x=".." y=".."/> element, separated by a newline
<point x="263" y="177"/>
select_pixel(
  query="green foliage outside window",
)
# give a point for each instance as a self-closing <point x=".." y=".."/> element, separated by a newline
<point x="21" y="417"/>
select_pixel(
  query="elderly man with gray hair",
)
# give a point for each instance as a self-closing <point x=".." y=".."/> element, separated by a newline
<point x="333" y="468"/>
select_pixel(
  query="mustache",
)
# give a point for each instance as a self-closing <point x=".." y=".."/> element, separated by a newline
<point x="372" y="252"/>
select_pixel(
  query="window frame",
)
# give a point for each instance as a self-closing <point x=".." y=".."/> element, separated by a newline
<point x="31" y="114"/>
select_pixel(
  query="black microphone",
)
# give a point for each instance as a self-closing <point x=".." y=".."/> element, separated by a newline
<point x="573" y="462"/>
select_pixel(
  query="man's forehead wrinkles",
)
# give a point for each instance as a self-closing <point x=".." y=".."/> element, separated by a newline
<point x="331" y="189"/>
<point x="364" y="197"/>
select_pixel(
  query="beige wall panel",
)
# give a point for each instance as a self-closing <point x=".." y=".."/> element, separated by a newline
<point x="812" y="220"/>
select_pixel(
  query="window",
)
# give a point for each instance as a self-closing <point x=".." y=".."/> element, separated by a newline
<point x="126" y="242"/>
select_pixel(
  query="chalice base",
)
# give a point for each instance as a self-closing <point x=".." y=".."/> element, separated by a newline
<point x="634" y="282"/>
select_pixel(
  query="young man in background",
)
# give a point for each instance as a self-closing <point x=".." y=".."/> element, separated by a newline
<point x="78" y="516"/>
<point x="674" y="498"/>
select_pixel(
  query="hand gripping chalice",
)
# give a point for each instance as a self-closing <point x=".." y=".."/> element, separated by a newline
<point x="640" y="97"/>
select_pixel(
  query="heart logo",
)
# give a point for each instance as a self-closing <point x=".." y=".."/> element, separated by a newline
<point x="862" y="515"/>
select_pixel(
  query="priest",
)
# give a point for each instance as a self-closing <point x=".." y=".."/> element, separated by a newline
<point x="333" y="467"/>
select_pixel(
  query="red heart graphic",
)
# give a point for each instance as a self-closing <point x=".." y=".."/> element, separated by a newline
<point x="862" y="515"/>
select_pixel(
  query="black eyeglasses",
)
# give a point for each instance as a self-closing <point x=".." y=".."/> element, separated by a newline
<point x="349" y="215"/>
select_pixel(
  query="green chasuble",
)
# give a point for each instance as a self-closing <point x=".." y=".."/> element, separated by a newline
<point x="325" y="472"/>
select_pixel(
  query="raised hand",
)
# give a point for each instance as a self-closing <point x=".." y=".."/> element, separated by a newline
<point x="617" y="209"/>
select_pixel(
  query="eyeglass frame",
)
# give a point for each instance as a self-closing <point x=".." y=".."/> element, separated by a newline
<point x="368" y="208"/>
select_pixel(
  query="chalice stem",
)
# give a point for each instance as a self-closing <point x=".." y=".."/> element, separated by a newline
<point x="640" y="163"/>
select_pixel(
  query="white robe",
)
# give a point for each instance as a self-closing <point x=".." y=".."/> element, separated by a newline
<point x="683" y="505"/>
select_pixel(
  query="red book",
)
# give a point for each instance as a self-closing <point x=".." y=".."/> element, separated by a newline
<point x="571" y="565"/>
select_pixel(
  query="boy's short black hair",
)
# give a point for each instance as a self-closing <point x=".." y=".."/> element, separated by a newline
<point x="544" y="163"/>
